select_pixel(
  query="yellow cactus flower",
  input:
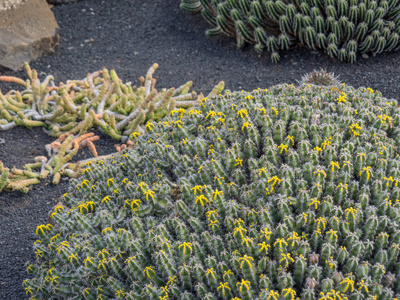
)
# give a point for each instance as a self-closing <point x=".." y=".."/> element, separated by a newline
<point x="223" y="286"/>
<point x="243" y="283"/>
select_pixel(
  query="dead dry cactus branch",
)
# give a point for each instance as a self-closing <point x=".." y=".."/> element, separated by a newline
<point x="68" y="111"/>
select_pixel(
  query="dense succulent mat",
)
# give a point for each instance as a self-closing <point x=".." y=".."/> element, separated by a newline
<point x="70" y="110"/>
<point x="282" y="193"/>
<point x="339" y="27"/>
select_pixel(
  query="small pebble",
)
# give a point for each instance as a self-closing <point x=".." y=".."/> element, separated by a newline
<point x="365" y="56"/>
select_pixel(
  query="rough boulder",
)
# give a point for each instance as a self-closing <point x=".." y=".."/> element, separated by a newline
<point x="28" y="29"/>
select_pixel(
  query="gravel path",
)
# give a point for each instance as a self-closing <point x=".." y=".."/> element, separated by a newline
<point x="129" y="36"/>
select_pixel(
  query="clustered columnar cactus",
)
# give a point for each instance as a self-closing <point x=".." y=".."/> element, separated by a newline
<point x="286" y="193"/>
<point x="340" y="27"/>
<point x="70" y="110"/>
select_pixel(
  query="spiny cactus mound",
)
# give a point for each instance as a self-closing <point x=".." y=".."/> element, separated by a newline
<point x="321" y="77"/>
<point x="339" y="27"/>
<point x="286" y="193"/>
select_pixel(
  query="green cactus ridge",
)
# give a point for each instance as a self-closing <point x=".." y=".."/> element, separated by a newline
<point x="341" y="28"/>
<point x="281" y="193"/>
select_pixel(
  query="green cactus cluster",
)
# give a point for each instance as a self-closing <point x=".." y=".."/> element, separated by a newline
<point x="69" y="111"/>
<point x="320" y="77"/>
<point x="278" y="194"/>
<point x="339" y="27"/>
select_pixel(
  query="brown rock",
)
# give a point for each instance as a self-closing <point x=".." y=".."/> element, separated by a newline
<point x="28" y="29"/>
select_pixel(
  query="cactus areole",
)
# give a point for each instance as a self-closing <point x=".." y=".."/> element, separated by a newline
<point x="281" y="193"/>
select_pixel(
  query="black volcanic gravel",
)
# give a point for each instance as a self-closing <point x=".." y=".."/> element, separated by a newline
<point x="129" y="36"/>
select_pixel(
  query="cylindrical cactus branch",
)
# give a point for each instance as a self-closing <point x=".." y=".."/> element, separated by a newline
<point x="340" y="28"/>
<point x="269" y="194"/>
<point x="70" y="110"/>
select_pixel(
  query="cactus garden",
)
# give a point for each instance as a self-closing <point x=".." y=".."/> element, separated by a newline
<point x="216" y="175"/>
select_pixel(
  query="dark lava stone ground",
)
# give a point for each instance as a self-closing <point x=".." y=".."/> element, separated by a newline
<point x="129" y="36"/>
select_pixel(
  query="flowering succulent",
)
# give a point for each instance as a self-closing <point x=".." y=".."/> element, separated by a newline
<point x="339" y="27"/>
<point x="282" y="193"/>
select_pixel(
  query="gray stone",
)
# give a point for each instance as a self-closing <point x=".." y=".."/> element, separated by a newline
<point x="28" y="29"/>
<point x="365" y="56"/>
